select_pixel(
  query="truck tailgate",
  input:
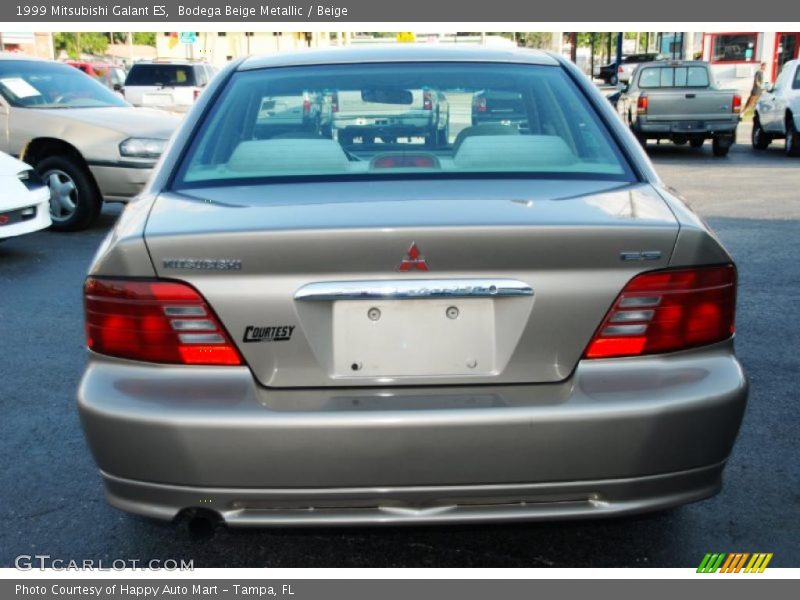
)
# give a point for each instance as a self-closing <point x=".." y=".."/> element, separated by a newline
<point x="689" y="104"/>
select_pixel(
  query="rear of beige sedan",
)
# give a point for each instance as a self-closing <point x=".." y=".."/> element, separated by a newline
<point x="295" y="330"/>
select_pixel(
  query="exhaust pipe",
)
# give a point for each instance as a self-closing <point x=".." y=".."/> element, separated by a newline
<point x="199" y="522"/>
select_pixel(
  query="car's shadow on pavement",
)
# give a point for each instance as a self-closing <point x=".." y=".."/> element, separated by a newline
<point x="773" y="157"/>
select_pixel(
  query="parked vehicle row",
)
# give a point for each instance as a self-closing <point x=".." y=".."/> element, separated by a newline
<point x="86" y="142"/>
<point x="92" y="146"/>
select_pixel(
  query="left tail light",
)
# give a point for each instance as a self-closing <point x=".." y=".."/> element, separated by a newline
<point x="427" y="101"/>
<point x="736" y="105"/>
<point x="196" y="94"/>
<point x="667" y="311"/>
<point x="155" y="321"/>
<point x="641" y="104"/>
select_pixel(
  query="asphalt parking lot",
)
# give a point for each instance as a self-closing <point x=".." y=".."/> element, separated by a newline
<point x="51" y="499"/>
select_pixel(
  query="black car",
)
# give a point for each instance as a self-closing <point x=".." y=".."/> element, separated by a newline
<point x="611" y="74"/>
<point x="499" y="107"/>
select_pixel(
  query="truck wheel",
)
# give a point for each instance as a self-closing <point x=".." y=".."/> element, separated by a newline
<point x="792" y="139"/>
<point x="345" y="138"/>
<point x="74" y="200"/>
<point x="721" y="145"/>
<point x="432" y="138"/>
<point x="640" y="137"/>
<point x="696" y="142"/>
<point x="758" y="138"/>
<point x="443" y="137"/>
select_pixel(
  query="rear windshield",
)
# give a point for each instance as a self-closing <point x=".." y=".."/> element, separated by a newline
<point x="410" y="120"/>
<point x="666" y="77"/>
<point x="161" y="75"/>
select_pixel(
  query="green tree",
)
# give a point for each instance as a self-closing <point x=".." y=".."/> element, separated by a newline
<point x="535" y="39"/>
<point x="75" y="43"/>
<point x="145" y="38"/>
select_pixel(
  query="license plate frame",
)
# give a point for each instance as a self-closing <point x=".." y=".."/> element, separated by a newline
<point x="689" y="126"/>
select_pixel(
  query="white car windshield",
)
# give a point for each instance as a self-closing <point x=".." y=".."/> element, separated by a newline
<point x="400" y="119"/>
<point x="35" y="84"/>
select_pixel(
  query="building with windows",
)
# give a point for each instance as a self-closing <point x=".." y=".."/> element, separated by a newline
<point x="218" y="48"/>
<point x="735" y="56"/>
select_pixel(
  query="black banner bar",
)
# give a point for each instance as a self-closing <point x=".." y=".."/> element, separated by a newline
<point x="408" y="11"/>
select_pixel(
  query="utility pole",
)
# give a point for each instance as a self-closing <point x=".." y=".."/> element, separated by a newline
<point x="573" y="47"/>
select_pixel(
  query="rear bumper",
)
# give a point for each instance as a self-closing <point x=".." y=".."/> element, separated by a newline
<point x="679" y="128"/>
<point x="618" y="436"/>
<point x="421" y="505"/>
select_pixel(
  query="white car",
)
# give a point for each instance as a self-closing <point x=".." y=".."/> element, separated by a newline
<point x="24" y="199"/>
<point x="168" y="85"/>
<point x="778" y="111"/>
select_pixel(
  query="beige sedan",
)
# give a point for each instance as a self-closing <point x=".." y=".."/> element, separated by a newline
<point x="86" y="142"/>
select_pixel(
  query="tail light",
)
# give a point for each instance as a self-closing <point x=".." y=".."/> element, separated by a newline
<point x="641" y="105"/>
<point x="620" y="70"/>
<point x="306" y="105"/>
<point x="196" y="94"/>
<point x="427" y="101"/>
<point x="736" y="106"/>
<point x="405" y="161"/>
<point x="154" y="321"/>
<point x="669" y="310"/>
<point x="479" y="104"/>
<point x="335" y="102"/>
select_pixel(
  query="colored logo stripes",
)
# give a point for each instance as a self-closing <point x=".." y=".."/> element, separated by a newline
<point x="735" y="562"/>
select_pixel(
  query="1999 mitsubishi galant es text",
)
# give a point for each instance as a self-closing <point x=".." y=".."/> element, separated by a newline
<point x="512" y="320"/>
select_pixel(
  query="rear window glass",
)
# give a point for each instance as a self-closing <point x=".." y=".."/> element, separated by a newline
<point x="657" y="77"/>
<point x="161" y="75"/>
<point x="428" y="119"/>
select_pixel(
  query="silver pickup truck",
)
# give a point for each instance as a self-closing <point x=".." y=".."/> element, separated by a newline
<point x="676" y="100"/>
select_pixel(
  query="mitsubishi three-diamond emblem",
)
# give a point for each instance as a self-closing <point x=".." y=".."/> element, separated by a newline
<point x="413" y="260"/>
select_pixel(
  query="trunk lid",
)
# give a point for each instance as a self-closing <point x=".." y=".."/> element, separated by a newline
<point x="296" y="272"/>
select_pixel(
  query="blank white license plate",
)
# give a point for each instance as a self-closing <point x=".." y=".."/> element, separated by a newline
<point x="157" y="99"/>
<point x="413" y="338"/>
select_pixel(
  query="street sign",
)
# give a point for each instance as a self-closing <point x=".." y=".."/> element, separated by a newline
<point x="188" y="37"/>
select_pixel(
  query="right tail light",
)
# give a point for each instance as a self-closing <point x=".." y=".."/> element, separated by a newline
<point x="668" y="310"/>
